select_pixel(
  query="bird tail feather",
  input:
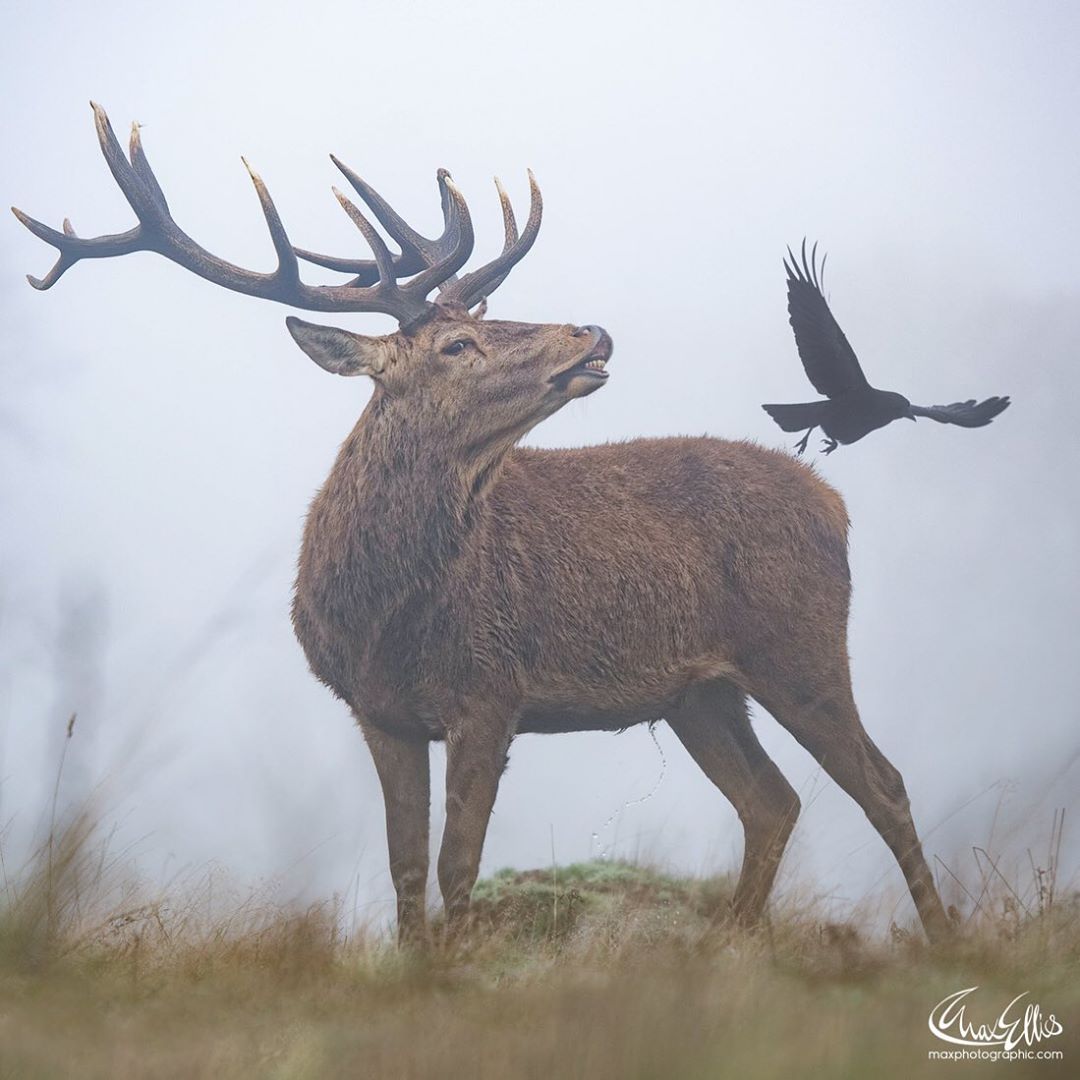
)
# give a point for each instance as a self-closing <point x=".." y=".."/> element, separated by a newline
<point x="797" y="417"/>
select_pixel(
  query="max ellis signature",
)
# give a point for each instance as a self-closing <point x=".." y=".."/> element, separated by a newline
<point x="948" y="1021"/>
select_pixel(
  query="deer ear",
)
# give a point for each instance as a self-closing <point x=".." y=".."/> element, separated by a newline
<point x="340" y="352"/>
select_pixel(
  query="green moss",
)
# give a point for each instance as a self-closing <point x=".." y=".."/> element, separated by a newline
<point x="556" y="903"/>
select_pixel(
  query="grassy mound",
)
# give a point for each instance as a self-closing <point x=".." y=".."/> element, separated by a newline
<point x="584" y="899"/>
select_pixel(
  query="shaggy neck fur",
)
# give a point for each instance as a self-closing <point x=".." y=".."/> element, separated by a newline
<point x="397" y="508"/>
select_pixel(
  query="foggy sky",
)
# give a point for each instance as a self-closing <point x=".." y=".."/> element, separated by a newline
<point x="162" y="437"/>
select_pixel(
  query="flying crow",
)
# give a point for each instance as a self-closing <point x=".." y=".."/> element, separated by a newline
<point x="853" y="407"/>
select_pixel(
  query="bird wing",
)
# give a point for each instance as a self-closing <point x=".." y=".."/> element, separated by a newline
<point x="964" y="413"/>
<point x="830" y="362"/>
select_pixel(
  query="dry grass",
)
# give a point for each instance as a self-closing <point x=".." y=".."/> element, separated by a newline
<point x="597" y="970"/>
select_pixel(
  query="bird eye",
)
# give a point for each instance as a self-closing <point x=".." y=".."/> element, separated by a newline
<point x="456" y="347"/>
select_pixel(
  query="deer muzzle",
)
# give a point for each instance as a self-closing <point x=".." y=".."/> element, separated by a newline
<point x="593" y="363"/>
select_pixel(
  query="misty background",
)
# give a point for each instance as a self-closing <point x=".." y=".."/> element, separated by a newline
<point x="161" y="438"/>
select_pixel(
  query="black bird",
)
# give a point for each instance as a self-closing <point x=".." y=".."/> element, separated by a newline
<point x="854" y="408"/>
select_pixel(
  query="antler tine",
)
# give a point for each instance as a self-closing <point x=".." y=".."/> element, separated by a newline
<point x="288" y="271"/>
<point x="367" y="273"/>
<point x="510" y="229"/>
<point x="142" y="168"/>
<point x="383" y="259"/>
<point x="484" y="280"/>
<point x="453" y="248"/>
<point x="451" y="212"/>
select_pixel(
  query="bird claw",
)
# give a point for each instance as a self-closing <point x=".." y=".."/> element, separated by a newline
<point x="829" y="445"/>
<point x="800" y="446"/>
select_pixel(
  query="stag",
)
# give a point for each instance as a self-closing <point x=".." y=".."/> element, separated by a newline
<point x="455" y="587"/>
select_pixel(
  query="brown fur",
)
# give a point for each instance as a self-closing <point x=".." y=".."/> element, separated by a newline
<point x="455" y="587"/>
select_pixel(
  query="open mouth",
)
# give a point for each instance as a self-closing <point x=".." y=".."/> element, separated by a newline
<point x="592" y="365"/>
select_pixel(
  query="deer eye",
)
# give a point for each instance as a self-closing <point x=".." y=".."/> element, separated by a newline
<point x="455" y="348"/>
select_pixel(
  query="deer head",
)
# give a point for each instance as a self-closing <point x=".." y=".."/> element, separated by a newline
<point x="489" y="381"/>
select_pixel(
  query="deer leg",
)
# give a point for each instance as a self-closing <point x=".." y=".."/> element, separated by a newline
<point x="476" y="756"/>
<point x="713" y="724"/>
<point x="821" y="714"/>
<point x="404" y="773"/>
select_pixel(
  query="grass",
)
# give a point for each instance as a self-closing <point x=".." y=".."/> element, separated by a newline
<point x="601" y="969"/>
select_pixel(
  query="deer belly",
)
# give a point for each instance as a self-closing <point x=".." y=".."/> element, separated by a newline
<point x="555" y="720"/>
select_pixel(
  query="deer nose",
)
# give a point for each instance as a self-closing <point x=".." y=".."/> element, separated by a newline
<point x="600" y="346"/>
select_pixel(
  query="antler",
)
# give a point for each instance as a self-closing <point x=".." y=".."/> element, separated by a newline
<point x="376" y="285"/>
<point x="469" y="290"/>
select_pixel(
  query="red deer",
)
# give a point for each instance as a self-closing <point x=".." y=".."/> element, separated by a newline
<point x="454" y="586"/>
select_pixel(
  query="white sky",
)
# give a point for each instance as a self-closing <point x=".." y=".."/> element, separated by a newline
<point x="161" y="438"/>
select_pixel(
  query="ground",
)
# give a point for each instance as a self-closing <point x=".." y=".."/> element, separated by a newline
<point x="598" y="970"/>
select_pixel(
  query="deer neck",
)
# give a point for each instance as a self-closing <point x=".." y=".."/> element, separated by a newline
<point x="403" y="500"/>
